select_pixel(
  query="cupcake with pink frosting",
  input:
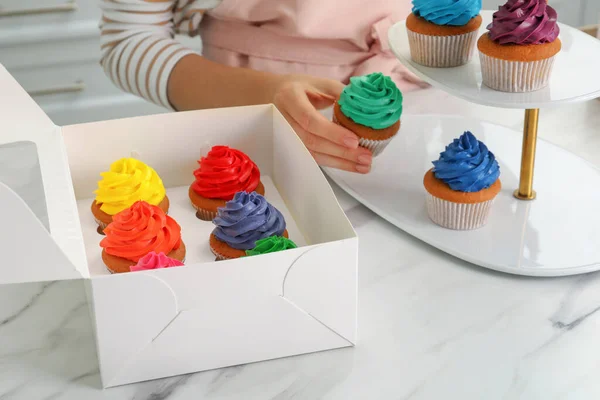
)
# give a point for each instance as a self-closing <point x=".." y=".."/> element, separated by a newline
<point x="153" y="260"/>
<point x="518" y="52"/>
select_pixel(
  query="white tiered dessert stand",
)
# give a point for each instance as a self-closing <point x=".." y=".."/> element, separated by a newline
<point x="553" y="230"/>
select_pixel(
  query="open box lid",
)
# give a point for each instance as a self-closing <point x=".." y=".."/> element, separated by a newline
<point x="41" y="239"/>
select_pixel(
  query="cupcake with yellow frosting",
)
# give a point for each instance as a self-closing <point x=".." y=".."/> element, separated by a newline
<point x="128" y="180"/>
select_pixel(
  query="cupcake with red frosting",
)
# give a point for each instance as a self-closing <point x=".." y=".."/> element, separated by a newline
<point x="222" y="173"/>
<point x="153" y="260"/>
<point x="137" y="231"/>
<point x="517" y="54"/>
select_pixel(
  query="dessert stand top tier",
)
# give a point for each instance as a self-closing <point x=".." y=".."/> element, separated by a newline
<point x="576" y="74"/>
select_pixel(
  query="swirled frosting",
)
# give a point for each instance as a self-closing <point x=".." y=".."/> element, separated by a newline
<point x="467" y="165"/>
<point x="140" y="229"/>
<point x="447" y="12"/>
<point x="271" y="245"/>
<point x="246" y="219"/>
<point x="153" y="260"/>
<point x="224" y="172"/>
<point x="372" y="100"/>
<point x="128" y="180"/>
<point x="524" y="22"/>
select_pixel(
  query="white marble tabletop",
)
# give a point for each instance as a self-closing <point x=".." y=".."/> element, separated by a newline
<point x="430" y="326"/>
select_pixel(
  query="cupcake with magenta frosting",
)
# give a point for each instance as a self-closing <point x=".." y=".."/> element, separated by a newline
<point x="462" y="185"/>
<point x="221" y="174"/>
<point x="155" y="260"/>
<point x="371" y="107"/>
<point x="271" y="244"/>
<point x="518" y="52"/>
<point x="244" y="220"/>
<point x="443" y="33"/>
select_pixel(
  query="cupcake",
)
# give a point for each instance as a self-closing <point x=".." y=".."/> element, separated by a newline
<point x="271" y="245"/>
<point x="442" y="33"/>
<point x="137" y="231"/>
<point x="517" y="54"/>
<point x="153" y="260"/>
<point x="462" y="184"/>
<point x="222" y="173"/>
<point x="242" y="222"/>
<point x="128" y="180"/>
<point x="370" y="106"/>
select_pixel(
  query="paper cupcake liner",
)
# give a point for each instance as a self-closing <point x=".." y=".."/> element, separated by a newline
<point x="376" y="146"/>
<point x="203" y="214"/>
<point x="458" y="216"/>
<point x="515" y="76"/>
<point x="218" y="256"/>
<point x="442" y="51"/>
<point x="101" y="226"/>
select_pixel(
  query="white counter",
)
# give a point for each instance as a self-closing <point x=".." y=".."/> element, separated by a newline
<point x="430" y="326"/>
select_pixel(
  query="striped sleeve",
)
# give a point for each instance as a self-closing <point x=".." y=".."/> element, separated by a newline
<point x="138" y="47"/>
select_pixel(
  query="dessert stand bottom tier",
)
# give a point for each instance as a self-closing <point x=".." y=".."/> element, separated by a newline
<point x="555" y="235"/>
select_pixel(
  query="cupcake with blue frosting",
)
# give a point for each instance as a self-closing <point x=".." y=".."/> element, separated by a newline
<point x="443" y="33"/>
<point x="245" y="220"/>
<point x="462" y="185"/>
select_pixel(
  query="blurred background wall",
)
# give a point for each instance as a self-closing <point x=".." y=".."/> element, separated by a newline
<point x="52" y="49"/>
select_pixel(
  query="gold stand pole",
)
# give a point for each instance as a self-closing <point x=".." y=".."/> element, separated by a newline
<point x="525" y="191"/>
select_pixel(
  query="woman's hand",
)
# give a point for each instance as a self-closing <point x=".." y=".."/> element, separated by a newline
<point x="198" y="83"/>
<point x="298" y="97"/>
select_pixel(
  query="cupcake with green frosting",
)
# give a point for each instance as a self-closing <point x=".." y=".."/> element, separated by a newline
<point x="371" y="107"/>
<point x="271" y="244"/>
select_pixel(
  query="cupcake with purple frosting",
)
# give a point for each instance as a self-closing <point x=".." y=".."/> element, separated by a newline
<point x="244" y="220"/>
<point x="517" y="54"/>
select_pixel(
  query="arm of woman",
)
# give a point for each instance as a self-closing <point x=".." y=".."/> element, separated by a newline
<point x="141" y="56"/>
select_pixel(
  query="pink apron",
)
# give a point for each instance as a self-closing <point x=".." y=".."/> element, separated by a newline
<point x="326" y="38"/>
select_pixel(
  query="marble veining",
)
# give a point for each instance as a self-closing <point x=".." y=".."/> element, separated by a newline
<point x="430" y="326"/>
<point x="10" y="318"/>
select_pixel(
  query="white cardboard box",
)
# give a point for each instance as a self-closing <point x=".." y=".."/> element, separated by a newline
<point x="201" y="316"/>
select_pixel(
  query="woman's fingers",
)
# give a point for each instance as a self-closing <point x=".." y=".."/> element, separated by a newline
<point x="326" y="160"/>
<point x="320" y="100"/>
<point x="330" y="144"/>
<point x="316" y="143"/>
<point x="292" y="98"/>
<point x="331" y="87"/>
